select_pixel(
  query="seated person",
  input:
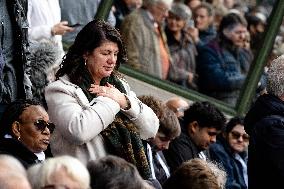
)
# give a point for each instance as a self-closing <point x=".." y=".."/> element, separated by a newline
<point x="199" y="128"/>
<point x="12" y="173"/>
<point x="230" y="151"/>
<point x="61" y="172"/>
<point x="178" y="105"/>
<point x="195" y="174"/>
<point x="169" y="129"/>
<point x="112" y="172"/>
<point x="25" y="131"/>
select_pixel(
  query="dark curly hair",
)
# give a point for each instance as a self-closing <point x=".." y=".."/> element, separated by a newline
<point x="206" y="114"/>
<point x="233" y="122"/>
<point x="90" y="37"/>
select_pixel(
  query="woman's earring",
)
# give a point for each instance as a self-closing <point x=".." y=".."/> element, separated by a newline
<point x="19" y="137"/>
<point x="85" y="62"/>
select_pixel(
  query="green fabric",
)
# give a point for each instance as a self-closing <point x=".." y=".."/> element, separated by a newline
<point x="121" y="137"/>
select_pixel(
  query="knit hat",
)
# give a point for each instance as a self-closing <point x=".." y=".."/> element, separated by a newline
<point x="181" y="10"/>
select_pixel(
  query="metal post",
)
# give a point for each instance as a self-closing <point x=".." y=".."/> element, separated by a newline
<point x="259" y="62"/>
<point x="104" y="9"/>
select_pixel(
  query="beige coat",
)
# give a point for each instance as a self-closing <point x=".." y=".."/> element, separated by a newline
<point x="142" y="42"/>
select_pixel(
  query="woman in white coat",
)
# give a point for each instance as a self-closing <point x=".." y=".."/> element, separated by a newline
<point x="93" y="107"/>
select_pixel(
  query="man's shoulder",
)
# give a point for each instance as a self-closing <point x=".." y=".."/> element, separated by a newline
<point x="182" y="142"/>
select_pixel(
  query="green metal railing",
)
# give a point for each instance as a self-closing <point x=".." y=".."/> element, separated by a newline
<point x="176" y="89"/>
<point x="104" y="9"/>
<point x="253" y="77"/>
<point x="260" y="60"/>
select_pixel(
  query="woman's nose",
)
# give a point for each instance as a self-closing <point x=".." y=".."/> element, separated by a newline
<point x="112" y="58"/>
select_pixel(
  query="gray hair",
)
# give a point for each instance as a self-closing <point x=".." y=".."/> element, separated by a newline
<point x="219" y="171"/>
<point x="40" y="174"/>
<point x="148" y="3"/>
<point x="10" y="163"/>
<point x="209" y="8"/>
<point x="12" y="173"/>
<point x="181" y="10"/>
<point x="275" y="77"/>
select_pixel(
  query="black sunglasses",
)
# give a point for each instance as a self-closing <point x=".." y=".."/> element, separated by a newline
<point x="41" y="125"/>
<point x="237" y="135"/>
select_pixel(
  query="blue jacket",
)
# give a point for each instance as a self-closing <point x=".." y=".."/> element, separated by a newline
<point x="206" y="36"/>
<point x="221" y="71"/>
<point x="221" y="153"/>
<point x="265" y="124"/>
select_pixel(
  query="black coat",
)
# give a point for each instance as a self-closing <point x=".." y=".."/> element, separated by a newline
<point x="265" y="124"/>
<point x="16" y="149"/>
<point x="180" y="150"/>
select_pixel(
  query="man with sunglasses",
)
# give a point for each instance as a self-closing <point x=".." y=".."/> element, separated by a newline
<point x="25" y="131"/>
<point x="199" y="128"/>
<point x="230" y="150"/>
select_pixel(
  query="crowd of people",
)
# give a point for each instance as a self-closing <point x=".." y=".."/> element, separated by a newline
<point x="70" y="120"/>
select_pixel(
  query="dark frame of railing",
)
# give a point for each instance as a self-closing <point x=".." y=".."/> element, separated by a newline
<point x="252" y="79"/>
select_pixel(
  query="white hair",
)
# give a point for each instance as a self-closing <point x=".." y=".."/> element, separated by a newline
<point x="219" y="171"/>
<point x="275" y="77"/>
<point x="12" y="173"/>
<point x="40" y="174"/>
<point x="10" y="163"/>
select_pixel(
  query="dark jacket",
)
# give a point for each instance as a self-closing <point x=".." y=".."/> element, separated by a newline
<point x="16" y="149"/>
<point x="206" y="36"/>
<point x="265" y="124"/>
<point x="180" y="150"/>
<point x="221" y="153"/>
<point x="220" y="70"/>
<point x="14" y="82"/>
<point x="121" y="10"/>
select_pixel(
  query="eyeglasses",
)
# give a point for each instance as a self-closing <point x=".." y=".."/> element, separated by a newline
<point x="237" y="135"/>
<point x="41" y="125"/>
<point x="162" y="8"/>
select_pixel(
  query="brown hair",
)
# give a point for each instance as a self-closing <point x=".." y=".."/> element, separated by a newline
<point x="195" y="174"/>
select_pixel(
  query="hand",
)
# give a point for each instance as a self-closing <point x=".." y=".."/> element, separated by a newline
<point x="111" y="92"/>
<point x="194" y="33"/>
<point x="190" y="77"/>
<point x="61" y="28"/>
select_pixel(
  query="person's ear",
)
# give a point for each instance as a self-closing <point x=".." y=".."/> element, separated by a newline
<point x="192" y="127"/>
<point x="225" y="135"/>
<point x="211" y="19"/>
<point x="227" y="33"/>
<point x="85" y="55"/>
<point x="252" y="29"/>
<point x="16" y="130"/>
